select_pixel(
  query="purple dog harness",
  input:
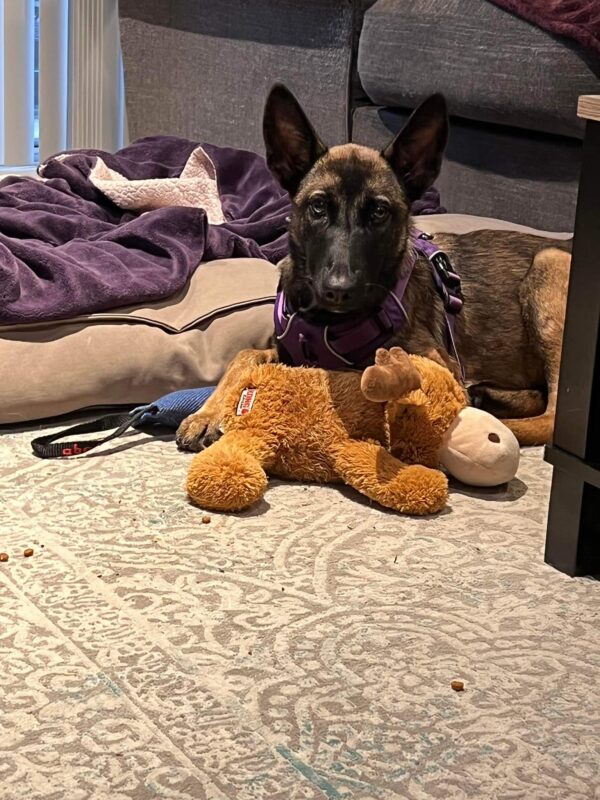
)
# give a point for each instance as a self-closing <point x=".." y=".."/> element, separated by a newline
<point x="348" y="345"/>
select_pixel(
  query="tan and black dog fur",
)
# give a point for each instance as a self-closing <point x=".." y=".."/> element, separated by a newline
<point x="349" y="240"/>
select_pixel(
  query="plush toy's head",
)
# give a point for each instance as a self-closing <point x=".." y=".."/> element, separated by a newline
<point x="433" y="425"/>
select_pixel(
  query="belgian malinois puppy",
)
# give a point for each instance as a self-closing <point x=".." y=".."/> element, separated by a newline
<point x="349" y="238"/>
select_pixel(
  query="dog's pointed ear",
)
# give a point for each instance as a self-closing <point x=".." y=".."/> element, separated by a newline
<point x="292" y="145"/>
<point x="416" y="153"/>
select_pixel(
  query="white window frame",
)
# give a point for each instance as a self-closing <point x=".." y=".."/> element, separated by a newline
<point x="16" y="90"/>
<point x="80" y="80"/>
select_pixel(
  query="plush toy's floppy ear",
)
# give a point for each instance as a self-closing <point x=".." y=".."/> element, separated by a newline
<point x="291" y="143"/>
<point x="416" y="153"/>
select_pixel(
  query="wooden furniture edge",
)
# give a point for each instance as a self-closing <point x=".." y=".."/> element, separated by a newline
<point x="588" y="106"/>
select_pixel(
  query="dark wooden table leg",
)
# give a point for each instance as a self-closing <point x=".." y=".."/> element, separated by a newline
<point x="573" y="536"/>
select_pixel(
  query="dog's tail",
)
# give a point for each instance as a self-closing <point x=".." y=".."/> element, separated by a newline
<point x="532" y="431"/>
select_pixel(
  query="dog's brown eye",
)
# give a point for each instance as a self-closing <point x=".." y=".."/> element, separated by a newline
<point x="318" y="207"/>
<point x="379" y="212"/>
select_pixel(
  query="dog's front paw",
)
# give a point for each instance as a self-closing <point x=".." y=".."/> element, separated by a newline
<point x="196" y="432"/>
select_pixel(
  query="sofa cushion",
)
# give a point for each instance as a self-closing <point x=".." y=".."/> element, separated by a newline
<point x="134" y="355"/>
<point x="202" y="68"/>
<point x="492" y="66"/>
<point x="494" y="170"/>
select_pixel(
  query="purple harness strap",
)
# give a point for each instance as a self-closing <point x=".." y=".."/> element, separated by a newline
<point x="348" y="345"/>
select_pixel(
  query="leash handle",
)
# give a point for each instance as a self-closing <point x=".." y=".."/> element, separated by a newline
<point x="49" y="446"/>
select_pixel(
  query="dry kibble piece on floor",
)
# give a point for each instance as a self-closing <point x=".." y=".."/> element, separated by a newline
<point x="206" y="519"/>
<point x="3" y="556"/>
<point x="458" y="686"/>
<point x="28" y="552"/>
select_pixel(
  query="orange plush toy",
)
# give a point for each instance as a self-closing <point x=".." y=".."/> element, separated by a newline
<point x="385" y="433"/>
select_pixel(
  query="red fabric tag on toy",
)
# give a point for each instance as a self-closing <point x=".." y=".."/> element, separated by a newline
<point x="247" y="398"/>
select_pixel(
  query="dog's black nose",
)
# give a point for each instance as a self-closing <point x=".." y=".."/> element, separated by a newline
<point x="338" y="289"/>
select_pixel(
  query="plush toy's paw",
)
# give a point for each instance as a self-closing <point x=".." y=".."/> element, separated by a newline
<point x="419" y="490"/>
<point x="197" y="432"/>
<point x="372" y="470"/>
<point x="392" y="376"/>
<point x="224" y="480"/>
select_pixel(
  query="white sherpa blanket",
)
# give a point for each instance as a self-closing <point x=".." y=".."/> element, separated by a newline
<point x="196" y="187"/>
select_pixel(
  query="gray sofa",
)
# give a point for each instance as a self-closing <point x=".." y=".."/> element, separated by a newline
<point x="201" y="69"/>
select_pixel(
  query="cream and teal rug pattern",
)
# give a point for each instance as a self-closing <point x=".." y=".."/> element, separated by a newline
<point x="304" y="650"/>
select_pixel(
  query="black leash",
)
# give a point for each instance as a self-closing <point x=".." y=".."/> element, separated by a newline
<point x="49" y="447"/>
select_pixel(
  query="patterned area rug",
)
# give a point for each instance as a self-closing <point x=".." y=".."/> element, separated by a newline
<point x="305" y="650"/>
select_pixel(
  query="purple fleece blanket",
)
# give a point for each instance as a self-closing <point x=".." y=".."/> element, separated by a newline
<point x="66" y="249"/>
<point x="575" y="19"/>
